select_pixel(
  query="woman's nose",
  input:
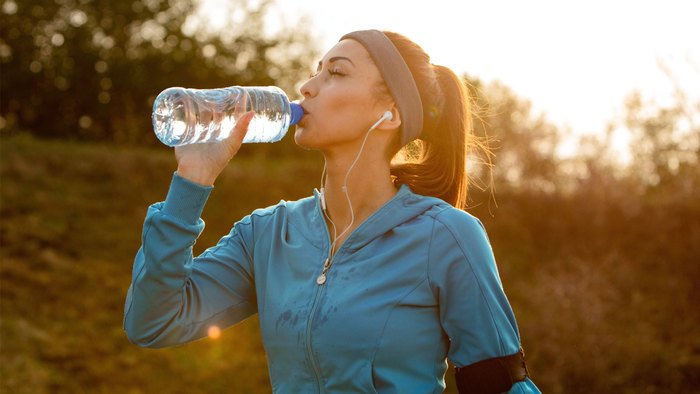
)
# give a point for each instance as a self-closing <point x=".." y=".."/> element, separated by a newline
<point x="307" y="89"/>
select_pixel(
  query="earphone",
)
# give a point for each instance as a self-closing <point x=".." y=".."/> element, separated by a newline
<point x="327" y="265"/>
<point x="387" y="115"/>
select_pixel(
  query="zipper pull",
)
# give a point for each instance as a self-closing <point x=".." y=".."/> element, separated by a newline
<point x="322" y="278"/>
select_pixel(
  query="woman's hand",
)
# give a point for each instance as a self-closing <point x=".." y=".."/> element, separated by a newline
<point x="202" y="163"/>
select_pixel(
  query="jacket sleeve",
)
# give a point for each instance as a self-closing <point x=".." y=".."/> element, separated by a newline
<point x="474" y="311"/>
<point x="175" y="298"/>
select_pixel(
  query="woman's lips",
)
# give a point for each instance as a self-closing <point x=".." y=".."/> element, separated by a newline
<point x="303" y="117"/>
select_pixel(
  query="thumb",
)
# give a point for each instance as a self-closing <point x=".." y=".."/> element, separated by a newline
<point x="241" y="128"/>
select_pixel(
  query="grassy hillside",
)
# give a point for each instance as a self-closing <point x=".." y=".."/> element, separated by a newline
<point x="71" y="219"/>
<point x="605" y="291"/>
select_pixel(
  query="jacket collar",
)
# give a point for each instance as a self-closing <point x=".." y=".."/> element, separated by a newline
<point x="404" y="206"/>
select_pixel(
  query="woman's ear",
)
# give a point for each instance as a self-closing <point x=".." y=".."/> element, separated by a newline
<point x="394" y="122"/>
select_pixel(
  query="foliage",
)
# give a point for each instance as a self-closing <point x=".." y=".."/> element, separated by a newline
<point x="603" y="267"/>
<point x="523" y="145"/>
<point x="90" y="69"/>
<point x="666" y="140"/>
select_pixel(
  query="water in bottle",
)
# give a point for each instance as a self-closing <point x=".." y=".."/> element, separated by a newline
<point x="188" y="116"/>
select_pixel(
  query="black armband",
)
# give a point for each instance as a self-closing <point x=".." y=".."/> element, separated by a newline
<point x="492" y="376"/>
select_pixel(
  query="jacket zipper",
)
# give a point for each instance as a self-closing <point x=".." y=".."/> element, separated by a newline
<point x="314" y="306"/>
<point x="309" y="349"/>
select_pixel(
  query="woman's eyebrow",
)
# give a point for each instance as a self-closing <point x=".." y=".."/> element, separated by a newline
<point x="334" y="59"/>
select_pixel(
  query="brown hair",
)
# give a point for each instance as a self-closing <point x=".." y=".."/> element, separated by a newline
<point x="438" y="168"/>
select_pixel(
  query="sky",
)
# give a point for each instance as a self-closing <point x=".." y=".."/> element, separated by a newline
<point x="576" y="61"/>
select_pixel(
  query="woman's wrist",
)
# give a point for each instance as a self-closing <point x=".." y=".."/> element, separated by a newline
<point x="200" y="176"/>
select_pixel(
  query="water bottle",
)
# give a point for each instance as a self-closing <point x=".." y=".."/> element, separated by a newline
<point x="189" y="116"/>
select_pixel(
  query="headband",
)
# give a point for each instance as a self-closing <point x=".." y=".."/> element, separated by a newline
<point x="398" y="79"/>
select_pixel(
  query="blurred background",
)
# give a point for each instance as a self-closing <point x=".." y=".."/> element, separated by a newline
<point x="592" y="109"/>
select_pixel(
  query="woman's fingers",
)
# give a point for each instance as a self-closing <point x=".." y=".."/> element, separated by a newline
<point x="241" y="129"/>
<point x="202" y="163"/>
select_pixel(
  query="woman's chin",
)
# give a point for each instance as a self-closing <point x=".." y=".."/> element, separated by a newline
<point x="302" y="138"/>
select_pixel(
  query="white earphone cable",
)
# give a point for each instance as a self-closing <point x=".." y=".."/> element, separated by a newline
<point x="322" y="278"/>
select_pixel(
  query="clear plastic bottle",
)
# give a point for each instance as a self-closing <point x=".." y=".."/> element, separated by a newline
<point x="189" y="116"/>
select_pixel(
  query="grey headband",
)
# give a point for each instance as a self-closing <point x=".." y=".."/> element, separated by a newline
<point x="398" y="78"/>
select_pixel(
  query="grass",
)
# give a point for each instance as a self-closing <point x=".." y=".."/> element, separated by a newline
<point x="71" y="219"/>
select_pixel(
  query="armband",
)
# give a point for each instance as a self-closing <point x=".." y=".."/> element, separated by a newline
<point x="492" y="376"/>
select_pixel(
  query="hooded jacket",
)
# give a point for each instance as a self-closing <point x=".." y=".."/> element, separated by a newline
<point x="414" y="285"/>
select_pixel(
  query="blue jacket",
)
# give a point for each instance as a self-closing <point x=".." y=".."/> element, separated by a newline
<point x="415" y="284"/>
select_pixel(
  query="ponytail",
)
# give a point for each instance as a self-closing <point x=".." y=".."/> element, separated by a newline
<point x="438" y="168"/>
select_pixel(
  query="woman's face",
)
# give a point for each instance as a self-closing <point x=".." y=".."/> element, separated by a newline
<point x="341" y="100"/>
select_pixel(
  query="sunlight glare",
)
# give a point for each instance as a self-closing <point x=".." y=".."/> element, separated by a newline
<point x="214" y="332"/>
<point x="215" y="12"/>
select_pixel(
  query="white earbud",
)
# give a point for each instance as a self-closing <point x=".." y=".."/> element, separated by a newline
<point x="386" y="116"/>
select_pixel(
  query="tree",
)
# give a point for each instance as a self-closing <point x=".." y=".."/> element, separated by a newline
<point x="665" y="141"/>
<point x="523" y="144"/>
<point x="90" y="69"/>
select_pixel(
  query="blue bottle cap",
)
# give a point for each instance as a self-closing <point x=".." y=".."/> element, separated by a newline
<point x="297" y="113"/>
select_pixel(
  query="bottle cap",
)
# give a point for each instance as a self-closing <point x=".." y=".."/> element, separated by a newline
<point x="297" y="113"/>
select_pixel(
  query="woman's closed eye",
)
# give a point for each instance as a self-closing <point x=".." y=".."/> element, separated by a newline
<point x="333" y="72"/>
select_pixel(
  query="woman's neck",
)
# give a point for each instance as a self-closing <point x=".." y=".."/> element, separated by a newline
<point x="369" y="186"/>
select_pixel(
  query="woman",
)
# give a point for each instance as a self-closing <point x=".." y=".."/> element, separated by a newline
<point x="375" y="281"/>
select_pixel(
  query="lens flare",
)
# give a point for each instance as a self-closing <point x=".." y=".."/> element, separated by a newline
<point x="214" y="332"/>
